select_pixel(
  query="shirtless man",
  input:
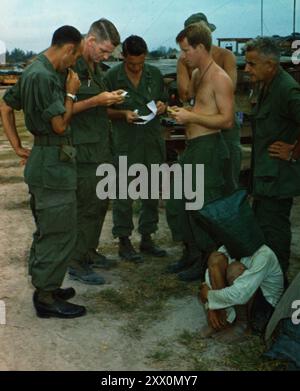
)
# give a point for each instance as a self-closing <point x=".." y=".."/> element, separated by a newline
<point x="212" y="112"/>
<point x="223" y="57"/>
<point x="211" y="86"/>
<point x="227" y="61"/>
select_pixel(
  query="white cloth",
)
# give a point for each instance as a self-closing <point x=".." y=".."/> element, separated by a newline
<point x="263" y="271"/>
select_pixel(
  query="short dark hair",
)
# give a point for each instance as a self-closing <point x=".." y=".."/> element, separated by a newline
<point x="66" y="34"/>
<point x="134" y="46"/>
<point x="265" y="46"/>
<point x="196" y="34"/>
<point x="104" y="30"/>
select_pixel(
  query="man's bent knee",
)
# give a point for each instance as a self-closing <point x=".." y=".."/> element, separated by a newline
<point x="234" y="270"/>
<point x="217" y="259"/>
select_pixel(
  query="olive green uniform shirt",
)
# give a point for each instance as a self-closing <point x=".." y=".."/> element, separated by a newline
<point x="91" y="128"/>
<point x="276" y="118"/>
<point x="40" y="93"/>
<point x="141" y="143"/>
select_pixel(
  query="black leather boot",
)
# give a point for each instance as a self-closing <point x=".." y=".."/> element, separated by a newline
<point x="64" y="293"/>
<point x="97" y="260"/>
<point x="147" y="246"/>
<point x="195" y="272"/>
<point x="47" y="305"/>
<point x="127" y="251"/>
<point x="189" y="256"/>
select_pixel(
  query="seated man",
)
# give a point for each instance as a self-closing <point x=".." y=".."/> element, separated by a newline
<point x="254" y="282"/>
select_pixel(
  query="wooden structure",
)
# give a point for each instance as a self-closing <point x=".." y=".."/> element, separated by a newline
<point x="9" y="75"/>
<point x="8" y="80"/>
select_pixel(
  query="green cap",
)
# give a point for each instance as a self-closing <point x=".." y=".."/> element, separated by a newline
<point x="197" y="18"/>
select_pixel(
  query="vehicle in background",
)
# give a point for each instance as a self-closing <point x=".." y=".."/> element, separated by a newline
<point x="10" y="74"/>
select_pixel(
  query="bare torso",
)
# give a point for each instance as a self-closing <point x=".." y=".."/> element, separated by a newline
<point x="205" y="102"/>
<point x="218" y="54"/>
<point x="203" y="91"/>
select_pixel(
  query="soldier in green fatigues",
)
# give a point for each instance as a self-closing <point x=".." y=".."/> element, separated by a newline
<point x="140" y="143"/>
<point x="91" y="136"/>
<point x="232" y="165"/>
<point x="227" y="61"/>
<point x="211" y="151"/>
<point x="50" y="170"/>
<point x="213" y="111"/>
<point x="276" y="146"/>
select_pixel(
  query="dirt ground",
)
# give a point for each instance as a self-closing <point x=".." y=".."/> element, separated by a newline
<point x="142" y="319"/>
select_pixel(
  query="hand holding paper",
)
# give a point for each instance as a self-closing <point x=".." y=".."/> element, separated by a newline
<point x="144" y="119"/>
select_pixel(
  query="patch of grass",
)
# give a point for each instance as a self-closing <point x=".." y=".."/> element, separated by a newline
<point x="8" y="155"/>
<point x="171" y="354"/>
<point x="133" y="328"/>
<point x="160" y="355"/>
<point x="108" y="299"/>
<point x="24" y="134"/>
<point x="244" y="356"/>
<point x="144" y="289"/>
<point x="11" y="179"/>
<point x="9" y="164"/>
<point x="18" y="205"/>
<point x="247" y="356"/>
<point x="197" y="355"/>
<point x="123" y="301"/>
<point x="186" y="338"/>
<point x="192" y="341"/>
<point x="201" y="364"/>
<point x="142" y="297"/>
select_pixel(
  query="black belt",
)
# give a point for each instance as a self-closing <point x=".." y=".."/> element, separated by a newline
<point x="51" y="141"/>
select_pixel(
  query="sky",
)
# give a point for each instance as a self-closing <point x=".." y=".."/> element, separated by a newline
<point x="29" y="24"/>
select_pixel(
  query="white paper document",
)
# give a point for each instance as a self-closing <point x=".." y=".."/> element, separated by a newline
<point x="144" y="119"/>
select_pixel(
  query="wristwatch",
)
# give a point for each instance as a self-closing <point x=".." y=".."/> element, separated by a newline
<point x="292" y="160"/>
<point x="73" y="97"/>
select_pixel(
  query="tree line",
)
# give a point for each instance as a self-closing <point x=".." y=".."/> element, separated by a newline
<point x="18" y="55"/>
<point x="163" y="52"/>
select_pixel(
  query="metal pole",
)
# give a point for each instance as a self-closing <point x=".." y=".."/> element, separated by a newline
<point x="294" y="21"/>
<point x="262" y="18"/>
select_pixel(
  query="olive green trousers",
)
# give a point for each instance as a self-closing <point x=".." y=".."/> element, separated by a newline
<point x="273" y="216"/>
<point x="210" y="151"/>
<point x="53" y="243"/>
<point x="91" y="212"/>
